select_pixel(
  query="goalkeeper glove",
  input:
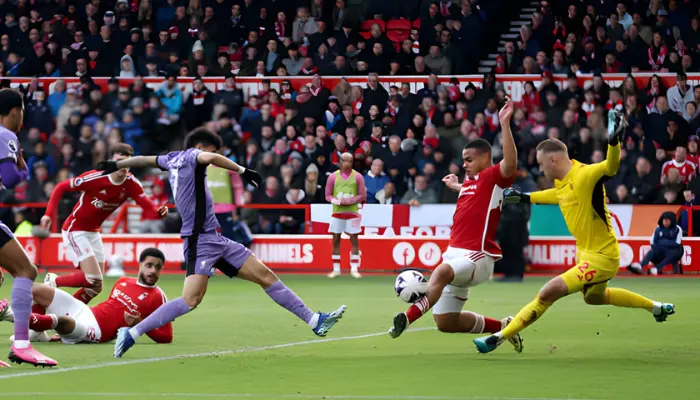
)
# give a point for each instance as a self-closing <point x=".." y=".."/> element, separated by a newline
<point x="251" y="176"/>
<point x="512" y="196"/>
<point x="617" y="123"/>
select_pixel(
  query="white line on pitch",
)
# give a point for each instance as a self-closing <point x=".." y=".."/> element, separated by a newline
<point x="195" y="355"/>
<point x="285" y="396"/>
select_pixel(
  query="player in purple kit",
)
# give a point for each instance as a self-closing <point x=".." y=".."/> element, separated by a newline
<point x="13" y="170"/>
<point x="204" y="247"/>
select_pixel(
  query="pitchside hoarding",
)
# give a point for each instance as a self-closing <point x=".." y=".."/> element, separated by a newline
<point x="312" y="253"/>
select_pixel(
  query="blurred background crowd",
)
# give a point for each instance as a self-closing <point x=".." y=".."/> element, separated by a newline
<point x="403" y="141"/>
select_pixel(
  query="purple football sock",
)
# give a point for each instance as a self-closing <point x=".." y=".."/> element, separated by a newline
<point x="164" y="314"/>
<point x="282" y="295"/>
<point x="21" y="306"/>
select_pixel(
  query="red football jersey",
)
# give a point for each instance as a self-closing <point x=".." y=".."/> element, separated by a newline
<point x="695" y="159"/>
<point x="129" y="296"/>
<point x="478" y="210"/>
<point x="99" y="198"/>
<point x="686" y="169"/>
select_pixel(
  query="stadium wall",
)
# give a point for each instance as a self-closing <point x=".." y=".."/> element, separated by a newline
<point x="312" y="253"/>
<point x="513" y="84"/>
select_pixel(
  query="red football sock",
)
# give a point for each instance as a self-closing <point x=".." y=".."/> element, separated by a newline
<point x="84" y="295"/>
<point x="491" y="325"/>
<point x="40" y="323"/>
<point x="417" y="309"/>
<point x="37" y="309"/>
<point x="76" y="279"/>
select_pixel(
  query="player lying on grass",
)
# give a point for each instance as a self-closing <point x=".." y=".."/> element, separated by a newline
<point x="100" y="196"/>
<point x="579" y="191"/>
<point x="13" y="170"/>
<point x="205" y="249"/>
<point x="131" y="300"/>
<point x="473" y="250"/>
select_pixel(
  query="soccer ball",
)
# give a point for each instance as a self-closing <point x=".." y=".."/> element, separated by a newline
<point x="411" y="286"/>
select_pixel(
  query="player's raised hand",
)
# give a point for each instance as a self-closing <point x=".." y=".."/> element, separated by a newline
<point x="506" y="112"/>
<point x="45" y="223"/>
<point x="450" y="179"/>
<point x="163" y="211"/>
<point x="251" y="176"/>
<point x="108" y="166"/>
<point x="617" y="124"/>
<point x="512" y="196"/>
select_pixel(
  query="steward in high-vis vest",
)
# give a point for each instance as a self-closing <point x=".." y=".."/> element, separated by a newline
<point x="346" y="190"/>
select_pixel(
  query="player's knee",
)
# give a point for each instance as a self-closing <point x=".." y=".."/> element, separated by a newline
<point x="266" y="277"/>
<point x="594" y="299"/>
<point x="28" y="271"/>
<point x="95" y="282"/>
<point x="65" y="325"/>
<point x="442" y="275"/>
<point x="194" y="299"/>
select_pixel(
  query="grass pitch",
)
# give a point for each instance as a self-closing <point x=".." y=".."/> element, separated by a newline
<point x="574" y="352"/>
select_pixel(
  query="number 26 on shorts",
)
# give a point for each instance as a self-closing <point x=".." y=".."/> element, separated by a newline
<point x="585" y="273"/>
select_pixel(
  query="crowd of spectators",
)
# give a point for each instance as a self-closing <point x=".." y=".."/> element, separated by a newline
<point x="403" y="142"/>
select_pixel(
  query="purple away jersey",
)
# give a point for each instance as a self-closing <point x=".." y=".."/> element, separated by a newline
<point x="9" y="146"/>
<point x="9" y="151"/>
<point x="188" y="180"/>
<point x="205" y="249"/>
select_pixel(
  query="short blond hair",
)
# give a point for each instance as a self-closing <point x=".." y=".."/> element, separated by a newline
<point x="552" y="146"/>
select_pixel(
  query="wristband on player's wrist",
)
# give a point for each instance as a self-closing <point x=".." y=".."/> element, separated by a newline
<point x="241" y="170"/>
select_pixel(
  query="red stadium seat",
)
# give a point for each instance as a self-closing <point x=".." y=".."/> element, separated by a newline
<point x="366" y="35"/>
<point x="367" y="25"/>
<point x="398" y="24"/>
<point x="397" y="36"/>
<point x="416" y="23"/>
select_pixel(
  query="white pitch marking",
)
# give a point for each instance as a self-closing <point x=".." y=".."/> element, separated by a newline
<point x="195" y="355"/>
<point x="286" y="396"/>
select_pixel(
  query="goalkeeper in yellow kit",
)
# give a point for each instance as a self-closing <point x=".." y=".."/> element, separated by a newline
<point x="578" y="189"/>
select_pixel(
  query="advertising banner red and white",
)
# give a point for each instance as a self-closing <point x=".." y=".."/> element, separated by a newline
<point x="513" y="84"/>
<point x="312" y="253"/>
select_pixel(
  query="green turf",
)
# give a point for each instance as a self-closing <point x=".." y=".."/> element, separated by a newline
<point x="575" y="351"/>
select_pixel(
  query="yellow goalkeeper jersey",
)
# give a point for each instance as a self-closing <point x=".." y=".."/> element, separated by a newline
<point x="581" y="198"/>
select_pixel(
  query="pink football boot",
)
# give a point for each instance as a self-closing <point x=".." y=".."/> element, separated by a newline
<point x="31" y="356"/>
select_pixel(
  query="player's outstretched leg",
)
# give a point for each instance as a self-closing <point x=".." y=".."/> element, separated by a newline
<point x="441" y="277"/>
<point x="457" y="321"/>
<point x="551" y="292"/>
<point x="255" y="271"/>
<point x="15" y="260"/>
<point x="624" y="298"/>
<point x="88" y="279"/>
<point x="168" y="312"/>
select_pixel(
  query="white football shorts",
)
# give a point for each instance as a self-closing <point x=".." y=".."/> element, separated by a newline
<point x="81" y="245"/>
<point x="349" y="226"/>
<point x="86" y="328"/>
<point x="471" y="268"/>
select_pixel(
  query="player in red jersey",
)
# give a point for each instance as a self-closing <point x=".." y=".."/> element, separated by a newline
<point x="470" y="256"/>
<point x="131" y="300"/>
<point x="101" y="195"/>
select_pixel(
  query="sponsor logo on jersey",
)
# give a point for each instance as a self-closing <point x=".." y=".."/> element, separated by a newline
<point x="469" y="189"/>
<point x="103" y="192"/>
<point x="125" y="299"/>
